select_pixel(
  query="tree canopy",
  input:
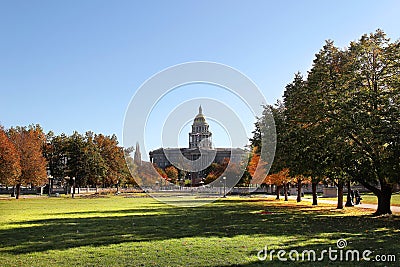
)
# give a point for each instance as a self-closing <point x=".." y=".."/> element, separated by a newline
<point x="342" y="121"/>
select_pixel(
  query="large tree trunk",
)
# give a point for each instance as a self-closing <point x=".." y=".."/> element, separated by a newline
<point x="18" y="189"/>
<point x="349" y="201"/>
<point x="384" y="195"/>
<point x="314" y="193"/>
<point x="384" y="200"/>
<point x="298" y="190"/>
<point x="278" y="189"/>
<point x="285" y="190"/>
<point x="340" y="195"/>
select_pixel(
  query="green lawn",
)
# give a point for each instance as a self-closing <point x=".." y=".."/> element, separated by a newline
<point x="120" y="231"/>
<point x="369" y="198"/>
<point x="372" y="199"/>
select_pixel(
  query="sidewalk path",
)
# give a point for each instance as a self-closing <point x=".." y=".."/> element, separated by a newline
<point x="395" y="209"/>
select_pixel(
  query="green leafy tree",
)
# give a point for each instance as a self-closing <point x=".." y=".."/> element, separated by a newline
<point x="76" y="158"/>
<point x="354" y="97"/>
<point x="306" y="140"/>
<point x="371" y="118"/>
<point x="95" y="165"/>
<point x="85" y="162"/>
<point x="55" y="151"/>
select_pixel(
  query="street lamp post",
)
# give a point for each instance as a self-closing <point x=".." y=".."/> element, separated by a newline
<point x="73" y="187"/>
<point x="224" y="178"/>
<point x="349" y="201"/>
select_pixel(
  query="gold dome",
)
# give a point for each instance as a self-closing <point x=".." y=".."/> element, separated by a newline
<point x="200" y="119"/>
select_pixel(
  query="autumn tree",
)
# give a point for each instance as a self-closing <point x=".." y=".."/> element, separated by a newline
<point x="262" y="145"/>
<point x="116" y="171"/>
<point x="10" y="168"/>
<point x="252" y="166"/>
<point x="255" y="162"/>
<point x="215" y="170"/>
<point x="161" y="172"/>
<point x="29" y="143"/>
<point x="172" y="174"/>
<point x="147" y="174"/>
<point x="281" y="180"/>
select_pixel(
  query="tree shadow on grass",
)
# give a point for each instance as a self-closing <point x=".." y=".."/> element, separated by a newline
<point x="221" y="219"/>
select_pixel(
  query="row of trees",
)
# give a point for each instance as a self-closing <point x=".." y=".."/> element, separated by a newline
<point x="342" y="121"/>
<point x="170" y="173"/>
<point x="21" y="157"/>
<point x="93" y="159"/>
<point x="28" y="156"/>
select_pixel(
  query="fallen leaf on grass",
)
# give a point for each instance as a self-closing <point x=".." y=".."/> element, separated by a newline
<point x="265" y="212"/>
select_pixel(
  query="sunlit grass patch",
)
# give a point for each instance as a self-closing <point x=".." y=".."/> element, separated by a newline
<point x="122" y="231"/>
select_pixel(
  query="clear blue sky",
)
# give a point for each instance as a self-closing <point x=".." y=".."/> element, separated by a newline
<point x="74" y="65"/>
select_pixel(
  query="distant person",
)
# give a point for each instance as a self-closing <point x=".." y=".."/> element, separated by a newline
<point x="352" y="196"/>
<point x="358" y="197"/>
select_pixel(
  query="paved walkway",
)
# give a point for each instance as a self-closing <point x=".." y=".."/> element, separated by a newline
<point x="395" y="209"/>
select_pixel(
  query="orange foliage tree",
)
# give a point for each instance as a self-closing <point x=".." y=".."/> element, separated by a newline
<point x="10" y="168"/>
<point x="116" y="171"/>
<point x="215" y="170"/>
<point x="252" y="166"/>
<point x="257" y="167"/>
<point x="172" y="173"/>
<point x="279" y="179"/>
<point x="145" y="174"/>
<point x="29" y="142"/>
<point x="160" y="171"/>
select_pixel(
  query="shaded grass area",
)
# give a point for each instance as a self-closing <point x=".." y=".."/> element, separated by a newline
<point x="120" y="231"/>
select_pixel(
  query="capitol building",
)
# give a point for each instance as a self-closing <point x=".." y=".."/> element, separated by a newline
<point x="200" y="144"/>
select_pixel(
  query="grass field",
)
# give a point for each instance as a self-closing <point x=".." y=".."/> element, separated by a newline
<point x="125" y="231"/>
<point x="368" y="198"/>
